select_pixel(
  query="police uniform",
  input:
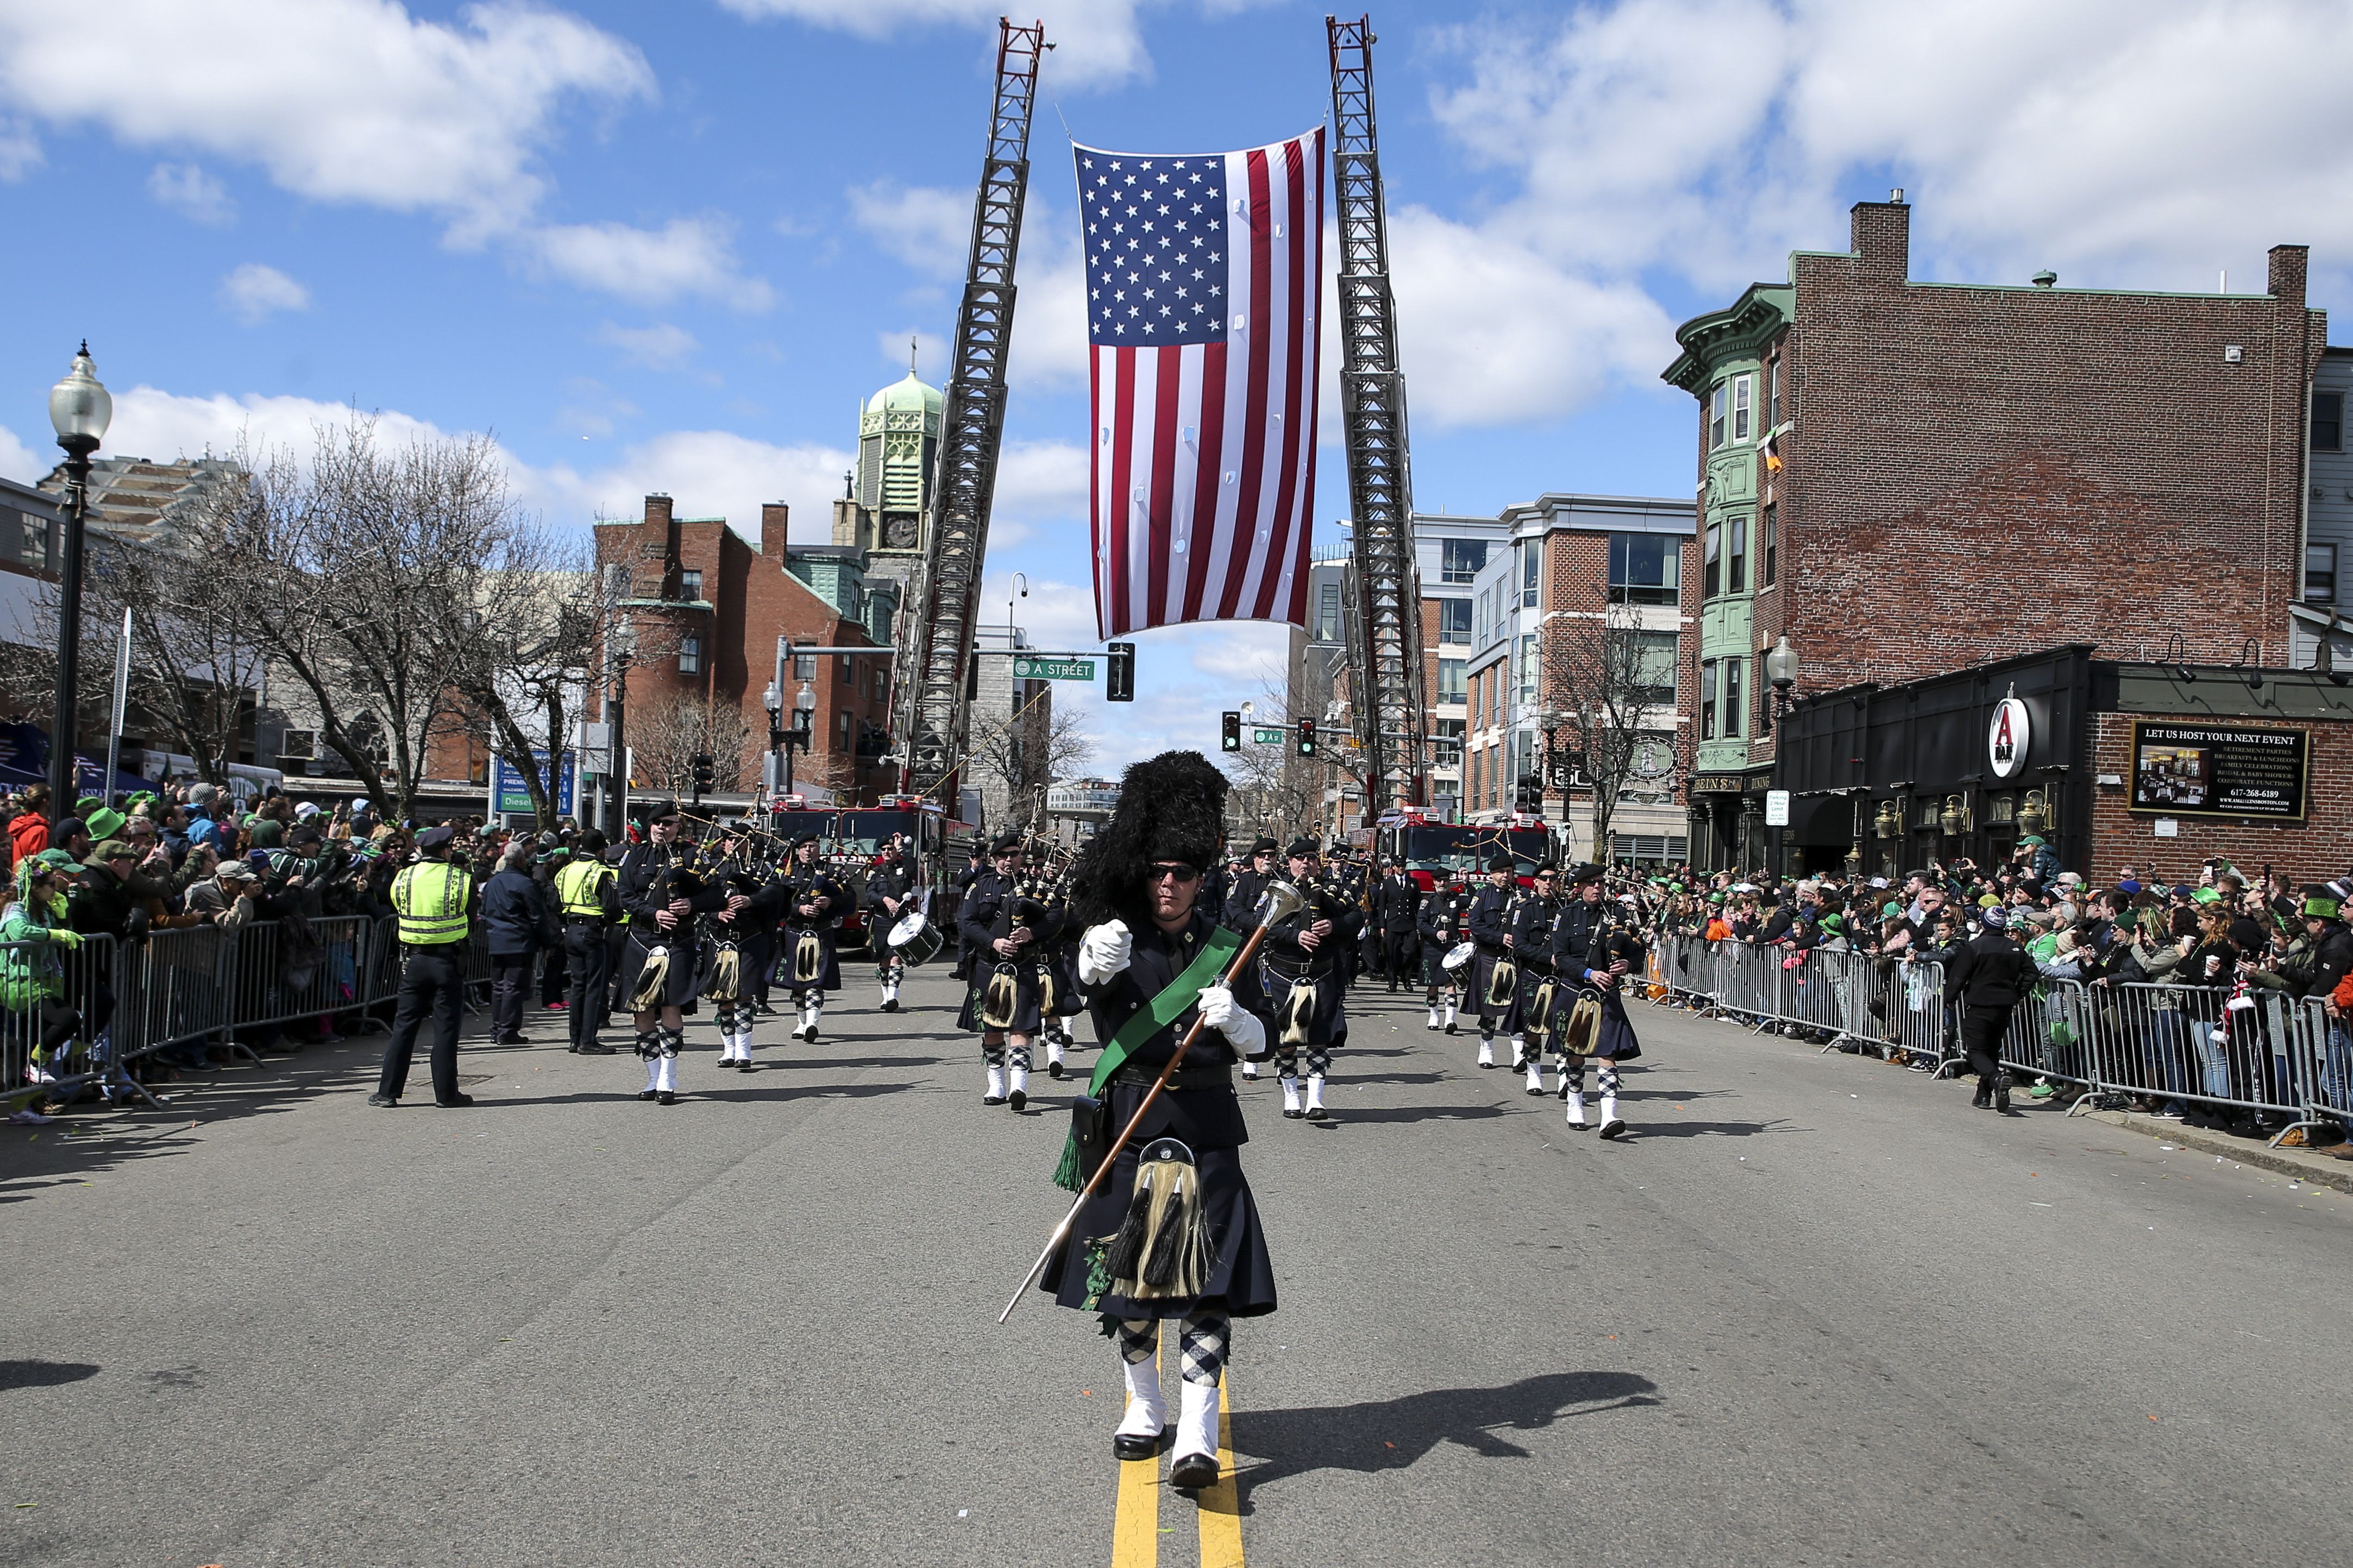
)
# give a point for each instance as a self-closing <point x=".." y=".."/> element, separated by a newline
<point x="808" y="964"/>
<point x="1397" y="912"/>
<point x="892" y="879"/>
<point x="434" y="902"/>
<point x="1305" y="985"/>
<point x="1587" y="940"/>
<point x="1238" y="904"/>
<point x="1489" y="921"/>
<point x="738" y="942"/>
<point x="1538" y="992"/>
<point x="1443" y="920"/>
<point x="590" y="907"/>
<point x="653" y="876"/>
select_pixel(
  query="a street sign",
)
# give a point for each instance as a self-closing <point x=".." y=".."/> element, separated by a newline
<point x="1262" y="736"/>
<point x="1777" y="808"/>
<point x="508" y="793"/>
<point x="1053" y="670"/>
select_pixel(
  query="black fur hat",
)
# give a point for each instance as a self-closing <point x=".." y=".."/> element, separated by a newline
<point x="1171" y="807"/>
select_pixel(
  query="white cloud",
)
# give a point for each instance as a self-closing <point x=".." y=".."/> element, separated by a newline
<point x="926" y="227"/>
<point x="930" y="228"/>
<point x="687" y="256"/>
<point x="253" y="293"/>
<point x="20" y="151"/>
<point x="657" y="347"/>
<point x="1096" y="42"/>
<point x="930" y="353"/>
<point x="195" y="194"/>
<point x="1043" y="481"/>
<point x="357" y="101"/>
<point x="18" y="461"/>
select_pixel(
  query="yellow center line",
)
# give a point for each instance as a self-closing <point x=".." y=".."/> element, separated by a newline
<point x="1221" y="1519"/>
<point x="1135" y="1528"/>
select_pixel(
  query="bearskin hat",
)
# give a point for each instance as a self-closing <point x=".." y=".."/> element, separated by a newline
<point x="1171" y="807"/>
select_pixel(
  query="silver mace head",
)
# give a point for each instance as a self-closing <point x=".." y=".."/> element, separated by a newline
<point x="1279" y="900"/>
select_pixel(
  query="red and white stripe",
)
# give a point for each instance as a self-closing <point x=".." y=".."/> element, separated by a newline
<point x="1204" y="453"/>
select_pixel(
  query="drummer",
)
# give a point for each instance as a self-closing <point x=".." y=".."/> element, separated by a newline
<point x="1446" y="947"/>
<point x="890" y="898"/>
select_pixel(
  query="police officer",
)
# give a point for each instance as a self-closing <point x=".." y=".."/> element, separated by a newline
<point x="1396" y="909"/>
<point x="1240" y="909"/>
<point x="890" y="898"/>
<point x="585" y="897"/>
<point x="1441" y="924"/>
<point x="1987" y="975"/>
<point x="435" y="903"/>
<point x="1491" y="927"/>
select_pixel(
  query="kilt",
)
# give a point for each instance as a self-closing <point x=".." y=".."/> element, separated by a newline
<point x="1327" y="1025"/>
<point x="1482" y="969"/>
<point x="679" y="987"/>
<point x="1028" y="1016"/>
<point x="829" y="971"/>
<point x="1615" y="1041"/>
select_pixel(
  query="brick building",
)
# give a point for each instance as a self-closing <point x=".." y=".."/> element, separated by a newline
<point x="705" y="608"/>
<point x="1906" y="479"/>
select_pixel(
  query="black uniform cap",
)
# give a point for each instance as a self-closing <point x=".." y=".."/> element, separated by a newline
<point x="1580" y="874"/>
<point x="1502" y="863"/>
<point x="1262" y="845"/>
<point x="1006" y="844"/>
<point x="1304" y="849"/>
<point x="661" y="811"/>
<point x="435" y="837"/>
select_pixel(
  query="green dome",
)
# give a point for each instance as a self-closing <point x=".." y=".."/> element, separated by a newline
<point x="907" y="394"/>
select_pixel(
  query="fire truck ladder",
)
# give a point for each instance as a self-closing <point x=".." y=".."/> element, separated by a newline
<point x="1389" y="717"/>
<point x="930" y="715"/>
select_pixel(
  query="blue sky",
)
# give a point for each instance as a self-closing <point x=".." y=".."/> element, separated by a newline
<point x="669" y="248"/>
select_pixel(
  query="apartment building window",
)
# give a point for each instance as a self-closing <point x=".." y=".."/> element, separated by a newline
<point x="1645" y="569"/>
<point x="1455" y="620"/>
<point x="2320" y="574"/>
<point x="1451" y="685"/>
<point x="1327" y="612"/>
<point x="1461" y="560"/>
<point x="1447" y="735"/>
<point x="1653" y="667"/>
<point x="1711" y="572"/>
<point x="881" y="686"/>
<point x="1732" y="709"/>
<point x="1722" y="404"/>
<point x="1527" y="669"/>
<point x="1768" y="543"/>
<point x="1743" y="388"/>
<point x="841" y="727"/>
<point x="1735" y="557"/>
<point x="803" y="667"/>
<point x="2328" y="421"/>
<point x="1531" y="572"/>
<point x="689" y="585"/>
<point x="1772" y="395"/>
<point x="33" y="541"/>
<point x="690" y="655"/>
<point x="1708" y="699"/>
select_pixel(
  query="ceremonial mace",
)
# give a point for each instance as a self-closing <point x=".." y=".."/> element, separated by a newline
<point x="1280" y="899"/>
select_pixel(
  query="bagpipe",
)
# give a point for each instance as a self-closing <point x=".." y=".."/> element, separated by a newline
<point x="1039" y="891"/>
<point x="1503" y="975"/>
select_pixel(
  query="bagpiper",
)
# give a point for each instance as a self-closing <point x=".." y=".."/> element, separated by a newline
<point x="1237" y="906"/>
<point x="1490" y="924"/>
<point x="663" y="894"/>
<point x="740" y="942"/>
<point x="1302" y="969"/>
<point x="814" y="905"/>
<point x="1009" y="929"/>
<point x="1595" y="953"/>
<point x="1443" y="924"/>
<point x="1172" y="1233"/>
<point x="1533" y="1007"/>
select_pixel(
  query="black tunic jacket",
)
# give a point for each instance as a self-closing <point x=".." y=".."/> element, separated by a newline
<point x="1207" y="1118"/>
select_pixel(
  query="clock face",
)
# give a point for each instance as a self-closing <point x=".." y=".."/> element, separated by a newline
<point x="899" y="532"/>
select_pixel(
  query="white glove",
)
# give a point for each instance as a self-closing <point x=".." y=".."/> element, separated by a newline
<point x="1241" y="1029"/>
<point x="1104" y="951"/>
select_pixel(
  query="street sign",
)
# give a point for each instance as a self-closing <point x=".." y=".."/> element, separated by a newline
<point x="1777" y="808"/>
<point x="1262" y="736"/>
<point x="508" y="793"/>
<point x="1053" y="670"/>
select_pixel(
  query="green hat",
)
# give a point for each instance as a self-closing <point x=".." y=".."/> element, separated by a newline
<point x="1890" y="910"/>
<point x="2322" y="908"/>
<point x="2034" y="838"/>
<point x="1832" y="922"/>
<point x="105" y="822"/>
<point x="59" y="859"/>
<point x="1988" y="901"/>
<point x="87" y="804"/>
<point x="2204" y="896"/>
<point x="113" y="848"/>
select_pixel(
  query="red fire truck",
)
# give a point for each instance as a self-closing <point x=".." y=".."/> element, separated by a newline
<point x="1425" y="847"/>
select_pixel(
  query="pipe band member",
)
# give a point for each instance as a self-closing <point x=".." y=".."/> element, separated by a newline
<point x="1539" y="989"/>
<point x="663" y="894"/>
<point x="739" y="943"/>
<point x="1172" y="1233"/>
<point x="1596" y="947"/>
<point x="1490" y="924"/>
<point x="1009" y="931"/>
<point x="1238" y="904"/>
<point x="890" y="898"/>
<point x="1443" y="923"/>
<point x="814" y="905"/>
<point x="1302" y="969"/>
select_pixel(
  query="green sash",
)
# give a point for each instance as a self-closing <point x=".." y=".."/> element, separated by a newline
<point x="1147" y="1021"/>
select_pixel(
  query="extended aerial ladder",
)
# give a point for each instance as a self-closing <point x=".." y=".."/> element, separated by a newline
<point x="1390" y="717"/>
<point x="929" y="715"/>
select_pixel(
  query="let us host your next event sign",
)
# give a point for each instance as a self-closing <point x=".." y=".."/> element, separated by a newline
<point x="2221" y="769"/>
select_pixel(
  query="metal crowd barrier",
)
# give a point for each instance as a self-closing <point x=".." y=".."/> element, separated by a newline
<point x="2266" y="1054"/>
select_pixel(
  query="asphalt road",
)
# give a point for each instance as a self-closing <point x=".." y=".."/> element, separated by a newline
<point x="1817" y="1310"/>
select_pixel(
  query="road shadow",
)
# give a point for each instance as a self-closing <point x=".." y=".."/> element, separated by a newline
<point x="1394" y="1434"/>
<point x="1714" y="1128"/>
<point x="731" y="1087"/>
<point x="1412" y="1113"/>
<point x="42" y="1374"/>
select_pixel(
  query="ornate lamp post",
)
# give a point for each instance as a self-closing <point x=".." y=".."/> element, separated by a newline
<point x="1781" y="670"/>
<point x="82" y="409"/>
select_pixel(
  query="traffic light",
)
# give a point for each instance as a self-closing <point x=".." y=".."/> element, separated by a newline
<point x="1307" y="737"/>
<point x="702" y="773"/>
<point x="1531" y="795"/>
<point x="1232" y="738"/>
<point x="1119" y="680"/>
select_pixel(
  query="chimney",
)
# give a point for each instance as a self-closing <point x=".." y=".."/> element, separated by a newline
<point x="658" y="510"/>
<point x="774" y="528"/>
<point x="1883" y="236"/>
<point x="2288" y="262"/>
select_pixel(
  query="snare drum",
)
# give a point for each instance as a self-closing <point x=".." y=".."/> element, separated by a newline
<point x="1459" y="959"/>
<point x="915" y="940"/>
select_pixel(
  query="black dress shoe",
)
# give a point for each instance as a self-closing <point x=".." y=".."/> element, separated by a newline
<point x="1053" y="1069"/>
<point x="645" y="1094"/>
<point x="992" y="1100"/>
<point x="1128" y="1447"/>
<point x="891" y="1005"/>
<point x="574" y="1049"/>
<point x="1293" y="1115"/>
<point x="510" y="1039"/>
<point x="1018" y="1098"/>
<point x="594" y="1050"/>
<point x="455" y="1102"/>
<point x="1983" y="1098"/>
<point x="387" y="1101"/>
<point x="1317" y="1113"/>
<point x="743" y="1064"/>
<point x="665" y="1098"/>
<point x="1613" y="1128"/>
<point x="1193" y="1472"/>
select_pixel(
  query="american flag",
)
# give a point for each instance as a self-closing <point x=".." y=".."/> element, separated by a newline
<point x="1204" y="274"/>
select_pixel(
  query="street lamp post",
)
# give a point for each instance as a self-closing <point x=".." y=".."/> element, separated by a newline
<point x="617" y="756"/>
<point x="1781" y="669"/>
<point x="1550" y="721"/>
<point x="80" y="409"/>
<point x="798" y="738"/>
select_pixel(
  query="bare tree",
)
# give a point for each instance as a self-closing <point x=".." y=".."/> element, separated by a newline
<point x="1612" y="681"/>
<point x="1027" y="751"/>
<point x="527" y="653"/>
<point x="667" y="733"/>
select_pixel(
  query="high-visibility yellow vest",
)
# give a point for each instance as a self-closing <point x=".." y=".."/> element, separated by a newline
<point x="430" y="899"/>
<point x="580" y="887"/>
